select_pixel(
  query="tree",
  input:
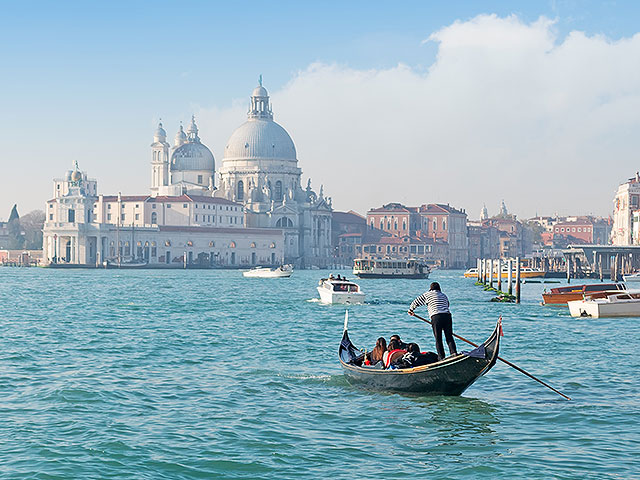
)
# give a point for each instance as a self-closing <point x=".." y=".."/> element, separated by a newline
<point x="14" y="230"/>
<point x="32" y="224"/>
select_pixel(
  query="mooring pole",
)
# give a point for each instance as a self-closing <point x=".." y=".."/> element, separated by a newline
<point x="510" y="268"/>
<point x="491" y="272"/>
<point x="500" y="274"/>
<point x="517" y="279"/>
<point x="569" y="269"/>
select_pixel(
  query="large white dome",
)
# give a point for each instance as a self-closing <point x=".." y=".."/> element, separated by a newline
<point x="260" y="138"/>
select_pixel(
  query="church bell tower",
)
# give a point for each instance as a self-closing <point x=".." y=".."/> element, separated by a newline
<point x="159" y="160"/>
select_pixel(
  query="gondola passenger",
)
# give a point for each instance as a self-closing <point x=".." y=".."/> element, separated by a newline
<point x="393" y="354"/>
<point x="378" y="351"/>
<point x="415" y="358"/>
<point x="438" y="305"/>
<point x="403" y="345"/>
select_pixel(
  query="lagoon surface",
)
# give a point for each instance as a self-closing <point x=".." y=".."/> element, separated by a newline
<point x="205" y="374"/>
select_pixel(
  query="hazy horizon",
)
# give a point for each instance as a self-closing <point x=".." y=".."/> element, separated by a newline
<point x="411" y="103"/>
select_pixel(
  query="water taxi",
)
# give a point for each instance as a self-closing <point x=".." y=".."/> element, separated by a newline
<point x="339" y="290"/>
<point x="471" y="273"/>
<point x="562" y="295"/>
<point x="283" y="271"/>
<point x="615" y="304"/>
<point x="389" y="268"/>
<point x="526" y="272"/>
<point x="632" y="277"/>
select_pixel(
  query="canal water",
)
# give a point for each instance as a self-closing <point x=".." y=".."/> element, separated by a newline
<point x="206" y="374"/>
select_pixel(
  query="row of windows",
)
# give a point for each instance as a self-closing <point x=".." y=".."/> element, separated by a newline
<point x="185" y="205"/>
<point x="190" y="243"/>
<point x="573" y="229"/>
<point x="418" y="249"/>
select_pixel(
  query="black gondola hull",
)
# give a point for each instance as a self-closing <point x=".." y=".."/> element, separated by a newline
<point x="451" y="376"/>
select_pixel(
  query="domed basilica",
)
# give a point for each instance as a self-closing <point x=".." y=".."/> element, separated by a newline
<point x="259" y="171"/>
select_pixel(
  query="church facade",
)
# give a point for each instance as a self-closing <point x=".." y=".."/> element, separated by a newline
<point x="260" y="170"/>
<point x="259" y="215"/>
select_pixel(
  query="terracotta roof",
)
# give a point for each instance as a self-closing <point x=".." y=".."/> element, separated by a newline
<point x="126" y="198"/>
<point x="390" y="207"/>
<point x="438" y="208"/>
<point x="171" y="199"/>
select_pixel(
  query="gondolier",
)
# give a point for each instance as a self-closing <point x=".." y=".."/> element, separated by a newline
<point x="438" y="305"/>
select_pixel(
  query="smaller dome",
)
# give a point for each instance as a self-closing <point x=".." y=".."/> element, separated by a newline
<point x="76" y="176"/>
<point x="160" y="132"/>
<point x="192" y="156"/>
<point x="259" y="91"/>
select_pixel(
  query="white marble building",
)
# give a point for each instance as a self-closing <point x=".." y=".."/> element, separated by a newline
<point x="260" y="170"/>
<point x="259" y="215"/>
<point x="86" y="229"/>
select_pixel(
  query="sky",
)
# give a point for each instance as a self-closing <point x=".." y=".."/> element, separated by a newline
<point x="460" y="102"/>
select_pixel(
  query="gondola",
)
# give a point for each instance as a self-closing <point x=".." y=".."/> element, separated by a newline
<point x="450" y="376"/>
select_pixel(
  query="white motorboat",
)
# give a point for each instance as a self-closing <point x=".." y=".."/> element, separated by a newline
<point x="282" y="271"/>
<point x="632" y="277"/>
<point x="333" y="290"/>
<point x="615" y="304"/>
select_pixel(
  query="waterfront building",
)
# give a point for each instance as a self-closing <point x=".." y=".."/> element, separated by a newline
<point x="483" y="241"/>
<point x="582" y="229"/>
<point x="626" y="201"/>
<point x="437" y="226"/>
<point x="85" y="228"/>
<point x="260" y="214"/>
<point x="260" y="171"/>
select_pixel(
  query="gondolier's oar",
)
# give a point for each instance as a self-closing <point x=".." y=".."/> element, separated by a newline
<point x="501" y="359"/>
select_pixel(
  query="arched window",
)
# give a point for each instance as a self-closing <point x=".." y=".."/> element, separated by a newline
<point x="240" y="194"/>
<point x="154" y="218"/>
<point x="278" y="191"/>
<point x="284" y="222"/>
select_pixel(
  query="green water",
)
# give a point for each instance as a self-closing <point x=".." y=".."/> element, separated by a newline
<point x="206" y="374"/>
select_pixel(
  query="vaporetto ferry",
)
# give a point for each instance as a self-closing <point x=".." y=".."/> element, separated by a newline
<point x="389" y="268"/>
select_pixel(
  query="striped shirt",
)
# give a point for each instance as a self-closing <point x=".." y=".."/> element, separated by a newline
<point x="435" y="300"/>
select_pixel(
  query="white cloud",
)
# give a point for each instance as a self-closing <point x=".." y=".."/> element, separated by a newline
<point x="507" y="110"/>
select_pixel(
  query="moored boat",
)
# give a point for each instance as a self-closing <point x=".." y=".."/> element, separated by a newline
<point x="525" y="272"/>
<point x="389" y="268"/>
<point x="124" y="264"/>
<point x="451" y="376"/>
<point x="614" y="304"/>
<point x="283" y="271"/>
<point x="339" y="290"/>
<point x="471" y="273"/>
<point x="632" y="277"/>
<point x="562" y="295"/>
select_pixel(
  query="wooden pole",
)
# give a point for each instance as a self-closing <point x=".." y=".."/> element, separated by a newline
<point x="517" y="279"/>
<point x="510" y="276"/>
<point x="521" y="370"/>
<point x="569" y="269"/>
<point x="500" y="274"/>
<point x="478" y="268"/>
<point x="491" y="272"/>
<point x="600" y="267"/>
